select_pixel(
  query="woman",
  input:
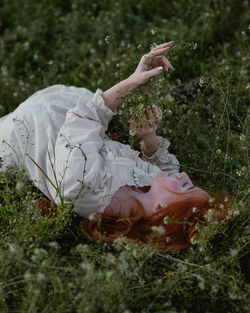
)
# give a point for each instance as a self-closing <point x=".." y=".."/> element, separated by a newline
<point x="58" y="137"/>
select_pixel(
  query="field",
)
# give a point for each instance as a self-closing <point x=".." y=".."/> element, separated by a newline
<point x="47" y="264"/>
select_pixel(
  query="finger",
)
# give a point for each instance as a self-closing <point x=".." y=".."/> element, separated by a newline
<point x="163" y="45"/>
<point x="161" y="60"/>
<point x="158" y="114"/>
<point x="150" y="114"/>
<point x="155" y="71"/>
<point x="154" y="53"/>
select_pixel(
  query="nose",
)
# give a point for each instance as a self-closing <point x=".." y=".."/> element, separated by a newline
<point x="182" y="174"/>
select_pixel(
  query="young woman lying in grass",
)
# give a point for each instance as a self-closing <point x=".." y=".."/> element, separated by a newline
<point x="58" y="137"/>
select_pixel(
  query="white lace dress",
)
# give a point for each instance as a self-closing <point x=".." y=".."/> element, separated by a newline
<point x="58" y="137"/>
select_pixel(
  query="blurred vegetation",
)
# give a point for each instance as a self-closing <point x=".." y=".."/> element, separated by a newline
<point x="47" y="265"/>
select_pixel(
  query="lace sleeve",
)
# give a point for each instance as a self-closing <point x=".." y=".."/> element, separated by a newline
<point x="162" y="158"/>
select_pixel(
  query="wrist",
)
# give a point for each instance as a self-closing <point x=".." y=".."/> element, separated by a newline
<point x="150" y="144"/>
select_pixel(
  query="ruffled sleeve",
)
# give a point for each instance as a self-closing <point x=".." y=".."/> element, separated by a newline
<point x="75" y="159"/>
<point x="162" y="158"/>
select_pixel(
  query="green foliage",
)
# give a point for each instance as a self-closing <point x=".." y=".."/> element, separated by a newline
<point x="46" y="264"/>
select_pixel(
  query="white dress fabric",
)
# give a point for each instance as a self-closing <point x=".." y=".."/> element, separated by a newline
<point x="58" y="137"/>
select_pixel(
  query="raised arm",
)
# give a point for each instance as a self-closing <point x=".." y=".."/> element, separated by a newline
<point x="151" y="64"/>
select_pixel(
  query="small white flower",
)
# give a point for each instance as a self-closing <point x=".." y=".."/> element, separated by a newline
<point x="193" y="241"/>
<point x="211" y="200"/>
<point x="202" y="81"/>
<point x="92" y="217"/>
<point x="242" y="137"/>
<point x="168" y="239"/>
<point x="40" y="276"/>
<point x="27" y="276"/>
<point x="132" y="132"/>
<point x="195" y="45"/>
<point x="12" y="248"/>
<point x="153" y="32"/>
<point x="236" y="212"/>
<point x="108" y="39"/>
<point x="194" y="209"/>
<point x="166" y="219"/>
<point x="233" y="252"/>
<point x="221" y="206"/>
<point x="158" y="229"/>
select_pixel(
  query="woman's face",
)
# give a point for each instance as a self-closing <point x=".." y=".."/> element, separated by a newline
<point x="167" y="188"/>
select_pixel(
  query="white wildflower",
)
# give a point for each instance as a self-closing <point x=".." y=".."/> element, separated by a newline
<point x="168" y="239"/>
<point x="236" y="212"/>
<point x="108" y="39"/>
<point x="166" y="219"/>
<point x="194" y="209"/>
<point x="195" y="45"/>
<point x="169" y="98"/>
<point x="54" y="244"/>
<point x="12" y="248"/>
<point x="158" y="229"/>
<point x="242" y="137"/>
<point x="202" y="81"/>
<point x="40" y="276"/>
<point x="92" y="217"/>
<point x="27" y="275"/>
<point x="132" y="132"/>
<point x="193" y="241"/>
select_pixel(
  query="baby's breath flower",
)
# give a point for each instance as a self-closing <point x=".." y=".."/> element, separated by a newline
<point x="166" y="219"/>
<point x="195" y="45"/>
<point x="27" y="275"/>
<point x="202" y="81"/>
<point x="40" y="276"/>
<point x="169" y="98"/>
<point x="158" y="229"/>
<point x="209" y="215"/>
<point x="168" y="239"/>
<point x="242" y="137"/>
<point x="92" y="217"/>
<point x="193" y="241"/>
<point x="236" y="212"/>
<point x="132" y="132"/>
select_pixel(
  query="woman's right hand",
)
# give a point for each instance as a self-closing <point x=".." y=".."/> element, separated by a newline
<point x="145" y="127"/>
<point x="152" y="63"/>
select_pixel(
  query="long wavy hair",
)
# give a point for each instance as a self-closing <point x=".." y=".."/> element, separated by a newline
<point x="171" y="228"/>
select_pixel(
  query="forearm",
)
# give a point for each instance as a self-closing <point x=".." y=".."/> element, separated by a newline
<point x="150" y="144"/>
<point x="114" y="96"/>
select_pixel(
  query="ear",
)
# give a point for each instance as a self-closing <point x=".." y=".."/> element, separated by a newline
<point x="157" y="207"/>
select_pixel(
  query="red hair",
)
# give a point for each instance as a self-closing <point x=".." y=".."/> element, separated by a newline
<point x="172" y="228"/>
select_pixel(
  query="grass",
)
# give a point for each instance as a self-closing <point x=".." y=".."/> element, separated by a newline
<point x="46" y="264"/>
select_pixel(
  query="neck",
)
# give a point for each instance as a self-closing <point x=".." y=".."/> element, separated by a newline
<point x="143" y="197"/>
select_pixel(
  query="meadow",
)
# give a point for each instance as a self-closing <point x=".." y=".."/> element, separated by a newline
<point x="47" y="264"/>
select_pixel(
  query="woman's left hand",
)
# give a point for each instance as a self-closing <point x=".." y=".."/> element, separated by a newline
<point x="145" y="127"/>
<point x="152" y="64"/>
